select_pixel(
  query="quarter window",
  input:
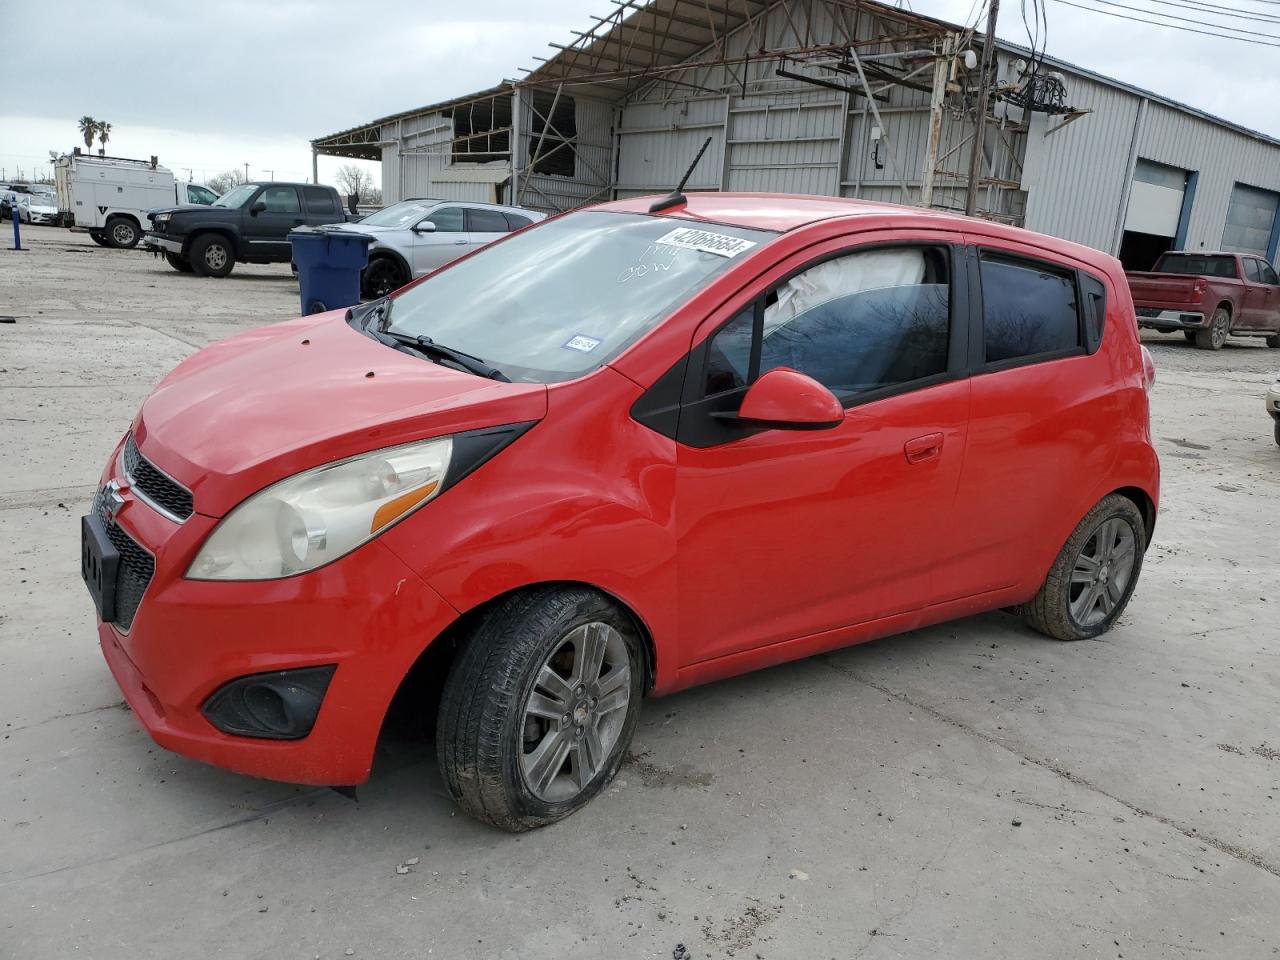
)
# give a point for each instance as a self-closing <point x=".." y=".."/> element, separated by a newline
<point x="857" y="323"/>
<point x="515" y="221"/>
<point x="1028" y="309"/>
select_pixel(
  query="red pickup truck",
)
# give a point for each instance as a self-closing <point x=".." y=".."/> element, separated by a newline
<point x="1208" y="296"/>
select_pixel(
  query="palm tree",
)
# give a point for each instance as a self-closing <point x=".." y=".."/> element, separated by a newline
<point x="104" y="134"/>
<point x="88" y="130"/>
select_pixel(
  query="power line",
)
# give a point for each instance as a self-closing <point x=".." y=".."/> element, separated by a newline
<point x="1200" y="23"/>
<point x="1214" y="10"/>
<point x="1172" y="26"/>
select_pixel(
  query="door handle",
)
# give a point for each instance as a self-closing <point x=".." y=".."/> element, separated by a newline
<point x="459" y="243"/>
<point x="920" y="449"/>
<point x="298" y="222"/>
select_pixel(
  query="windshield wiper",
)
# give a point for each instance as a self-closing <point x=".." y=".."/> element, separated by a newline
<point x="425" y="345"/>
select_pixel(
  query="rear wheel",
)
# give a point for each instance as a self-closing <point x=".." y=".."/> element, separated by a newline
<point x="122" y="233"/>
<point x="381" y="276"/>
<point x="539" y="707"/>
<point x="1092" y="579"/>
<point x="1215" y="335"/>
<point x="178" y="262"/>
<point x="1273" y="341"/>
<point x="212" y="256"/>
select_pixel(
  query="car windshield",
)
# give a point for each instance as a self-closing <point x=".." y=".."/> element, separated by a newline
<point x="403" y="214"/>
<point x="197" y="194"/>
<point x="1198" y="265"/>
<point x="570" y="294"/>
<point x="235" y="197"/>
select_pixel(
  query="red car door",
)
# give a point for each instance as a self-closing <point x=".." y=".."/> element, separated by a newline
<point x="1042" y="415"/>
<point x="784" y="533"/>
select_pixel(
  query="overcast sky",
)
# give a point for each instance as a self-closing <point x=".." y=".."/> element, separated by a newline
<point x="207" y="87"/>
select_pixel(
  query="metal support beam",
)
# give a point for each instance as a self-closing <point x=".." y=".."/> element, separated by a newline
<point x="984" y="82"/>
<point x="884" y="134"/>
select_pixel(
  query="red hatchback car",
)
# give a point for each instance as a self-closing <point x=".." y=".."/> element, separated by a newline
<point x="617" y="454"/>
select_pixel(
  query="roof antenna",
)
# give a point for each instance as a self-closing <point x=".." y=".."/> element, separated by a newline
<point x="675" y="198"/>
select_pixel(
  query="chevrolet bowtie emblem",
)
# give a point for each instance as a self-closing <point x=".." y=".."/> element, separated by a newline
<point x="113" y="497"/>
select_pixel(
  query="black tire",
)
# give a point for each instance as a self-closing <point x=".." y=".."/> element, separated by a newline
<point x="1214" y="336"/>
<point x="1190" y="335"/>
<point x="98" y="238"/>
<point x="212" y="255"/>
<point x="1050" y="612"/>
<point x="1278" y="430"/>
<point x="122" y="233"/>
<point x="381" y="276"/>
<point x="178" y="262"/>
<point x="482" y="731"/>
<point x="1273" y="341"/>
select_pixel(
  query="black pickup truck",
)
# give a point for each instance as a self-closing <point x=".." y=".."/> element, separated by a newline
<point x="250" y="224"/>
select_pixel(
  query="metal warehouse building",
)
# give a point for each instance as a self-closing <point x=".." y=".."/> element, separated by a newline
<point x="839" y="97"/>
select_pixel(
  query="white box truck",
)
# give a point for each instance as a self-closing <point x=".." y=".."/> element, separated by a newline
<point x="109" y="196"/>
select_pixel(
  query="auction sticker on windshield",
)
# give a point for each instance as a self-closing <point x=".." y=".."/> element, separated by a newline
<point x="705" y="241"/>
<point x="581" y="343"/>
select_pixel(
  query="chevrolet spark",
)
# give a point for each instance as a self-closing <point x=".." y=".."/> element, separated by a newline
<point x="627" y="450"/>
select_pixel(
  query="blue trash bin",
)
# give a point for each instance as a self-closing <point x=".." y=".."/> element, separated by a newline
<point x="329" y="264"/>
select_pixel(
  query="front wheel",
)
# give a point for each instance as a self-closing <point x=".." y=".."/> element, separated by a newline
<point x="1215" y="335"/>
<point x="1092" y="579"/>
<point x="1190" y="335"/>
<point x="1273" y="341"/>
<point x="99" y="238"/>
<point x="539" y="707"/>
<point x="212" y="256"/>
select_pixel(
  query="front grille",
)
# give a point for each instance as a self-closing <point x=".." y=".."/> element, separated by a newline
<point x="158" y="490"/>
<point x="136" y="569"/>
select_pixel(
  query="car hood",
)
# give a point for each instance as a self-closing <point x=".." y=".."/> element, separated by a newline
<point x="261" y="406"/>
<point x="355" y="226"/>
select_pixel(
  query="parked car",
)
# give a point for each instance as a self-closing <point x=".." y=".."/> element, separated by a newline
<point x="414" y="237"/>
<point x="248" y="224"/>
<point x="37" y="208"/>
<point x="10" y="194"/>
<point x="1209" y="296"/>
<point x="1273" y="405"/>
<point x="612" y="456"/>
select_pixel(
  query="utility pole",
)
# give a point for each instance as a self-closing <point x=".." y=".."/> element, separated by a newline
<point x="246" y="173"/>
<point x="975" y="154"/>
<point x="271" y="174"/>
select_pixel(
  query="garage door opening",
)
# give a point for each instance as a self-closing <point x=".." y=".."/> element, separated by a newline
<point x="1156" y="219"/>
<point x="1251" y="222"/>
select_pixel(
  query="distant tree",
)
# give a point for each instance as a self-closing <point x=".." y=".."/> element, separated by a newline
<point x="354" y="181"/>
<point x="88" y="130"/>
<point x="224" y="181"/>
<point x="104" y="134"/>
<point x="54" y="157"/>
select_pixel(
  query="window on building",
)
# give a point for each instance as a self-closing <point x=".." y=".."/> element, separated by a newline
<point x="482" y="130"/>
<point x="1028" y="309"/>
<point x="553" y="140"/>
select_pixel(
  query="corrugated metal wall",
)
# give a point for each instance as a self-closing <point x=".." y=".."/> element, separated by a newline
<point x="593" y="164"/>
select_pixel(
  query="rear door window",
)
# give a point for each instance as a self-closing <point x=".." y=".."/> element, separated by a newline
<point x="1269" y="275"/>
<point x="280" y="200"/>
<point x="1251" y="271"/>
<point x="1030" y="310"/>
<point x="486" y="221"/>
<point x="320" y="200"/>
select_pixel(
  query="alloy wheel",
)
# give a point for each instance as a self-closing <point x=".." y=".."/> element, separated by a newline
<point x="1220" y="326"/>
<point x="1102" y="572"/>
<point x="575" y="712"/>
<point x="122" y="234"/>
<point x="215" y="257"/>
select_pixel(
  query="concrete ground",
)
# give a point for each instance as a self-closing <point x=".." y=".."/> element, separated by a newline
<point x="971" y="790"/>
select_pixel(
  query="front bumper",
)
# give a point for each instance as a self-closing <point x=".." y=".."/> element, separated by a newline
<point x="368" y="613"/>
<point x="1159" y="318"/>
<point x="159" y="241"/>
<point x="1273" y="400"/>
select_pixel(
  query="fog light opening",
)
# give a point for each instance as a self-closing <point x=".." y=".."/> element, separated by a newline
<point x="275" y="706"/>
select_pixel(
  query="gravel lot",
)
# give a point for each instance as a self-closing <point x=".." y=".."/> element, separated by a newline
<point x="971" y="790"/>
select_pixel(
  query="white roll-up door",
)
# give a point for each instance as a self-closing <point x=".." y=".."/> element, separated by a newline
<point x="1155" y="201"/>
<point x="1251" y="216"/>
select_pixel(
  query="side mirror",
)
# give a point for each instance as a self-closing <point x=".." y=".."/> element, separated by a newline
<point x="786" y="399"/>
<point x="424" y="226"/>
<point x="257" y="208"/>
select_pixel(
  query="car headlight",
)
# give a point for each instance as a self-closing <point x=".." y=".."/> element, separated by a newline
<point x="318" y="516"/>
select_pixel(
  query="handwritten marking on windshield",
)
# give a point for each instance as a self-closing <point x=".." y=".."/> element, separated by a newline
<point x="654" y="259"/>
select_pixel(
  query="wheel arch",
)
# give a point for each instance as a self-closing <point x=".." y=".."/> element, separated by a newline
<point x="423" y="683"/>
<point x="1146" y="506"/>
